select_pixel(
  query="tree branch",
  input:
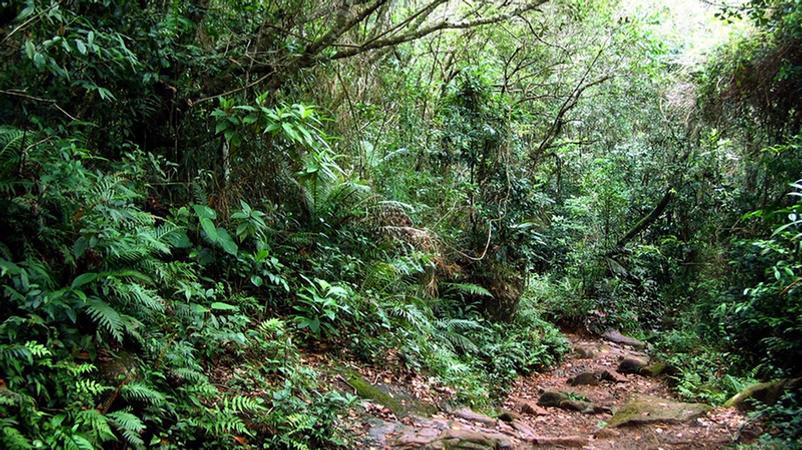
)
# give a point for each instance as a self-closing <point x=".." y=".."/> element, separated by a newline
<point x="647" y="220"/>
<point x="442" y="25"/>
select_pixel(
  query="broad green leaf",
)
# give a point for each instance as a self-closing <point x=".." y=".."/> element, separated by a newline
<point x="220" y="306"/>
<point x="83" y="279"/>
<point x="209" y="229"/>
<point x="226" y="242"/>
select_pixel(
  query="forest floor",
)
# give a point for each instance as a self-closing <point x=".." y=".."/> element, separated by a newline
<point x="585" y="402"/>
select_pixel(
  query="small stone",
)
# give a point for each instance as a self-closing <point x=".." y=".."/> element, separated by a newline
<point x="585" y="378"/>
<point x="561" y="441"/>
<point x="606" y="375"/>
<point x="531" y="408"/>
<point x="551" y="398"/>
<point x="474" y="416"/>
<point x="632" y="364"/>
<point x="607" y="433"/>
<point x="585" y="352"/>
<point x="618" y="338"/>
<point x="507" y="416"/>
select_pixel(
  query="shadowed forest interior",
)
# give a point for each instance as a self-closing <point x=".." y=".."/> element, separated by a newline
<point x="289" y="223"/>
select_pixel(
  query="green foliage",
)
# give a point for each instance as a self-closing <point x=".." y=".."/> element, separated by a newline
<point x="767" y="307"/>
<point x="323" y="307"/>
<point x="784" y="418"/>
<point x="189" y="188"/>
<point x="89" y="347"/>
<point x="700" y="371"/>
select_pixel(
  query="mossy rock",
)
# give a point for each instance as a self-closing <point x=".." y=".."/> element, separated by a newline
<point x="552" y="398"/>
<point x="397" y="401"/>
<point x="632" y="364"/>
<point x="768" y="392"/>
<point x="643" y="409"/>
<point x="654" y="369"/>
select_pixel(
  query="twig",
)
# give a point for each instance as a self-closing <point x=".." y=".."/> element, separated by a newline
<point x="29" y="21"/>
<point x="232" y="91"/>
<point x="20" y="94"/>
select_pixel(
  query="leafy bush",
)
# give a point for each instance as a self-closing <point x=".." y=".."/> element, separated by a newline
<point x="322" y="308"/>
<point x="785" y="421"/>
<point x="111" y="327"/>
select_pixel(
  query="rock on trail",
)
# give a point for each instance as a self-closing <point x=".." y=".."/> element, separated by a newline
<point x="603" y="396"/>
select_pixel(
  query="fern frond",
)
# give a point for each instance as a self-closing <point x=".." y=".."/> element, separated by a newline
<point x="452" y="331"/>
<point x="191" y="375"/>
<point x="12" y="438"/>
<point x="241" y="404"/>
<point x="141" y="392"/>
<point x="96" y="424"/>
<point x="468" y="289"/>
<point x="9" y="138"/>
<point x="89" y="389"/>
<point x="77" y="442"/>
<point x="129" y="425"/>
<point x="80" y="369"/>
<point x="138" y="295"/>
<point x="105" y="317"/>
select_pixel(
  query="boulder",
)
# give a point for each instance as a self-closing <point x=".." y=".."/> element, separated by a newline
<point x="562" y="400"/>
<point x="595" y="378"/>
<point x="524" y="430"/>
<point x="435" y="438"/>
<point x="642" y="409"/>
<point x="632" y="364"/>
<point x="578" y="405"/>
<point x="618" y="338"/>
<point x="397" y="399"/>
<point x="470" y="439"/>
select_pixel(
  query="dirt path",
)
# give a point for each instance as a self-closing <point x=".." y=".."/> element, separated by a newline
<point x="589" y="402"/>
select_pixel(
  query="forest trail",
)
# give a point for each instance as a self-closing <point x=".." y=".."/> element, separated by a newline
<point x="589" y="401"/>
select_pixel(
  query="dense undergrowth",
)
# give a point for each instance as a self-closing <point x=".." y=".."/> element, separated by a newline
<point x="196" y="194"/>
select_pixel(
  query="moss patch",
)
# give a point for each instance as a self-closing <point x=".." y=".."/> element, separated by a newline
<point x="392" y="398"/>
<point x="642" y="409"/>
